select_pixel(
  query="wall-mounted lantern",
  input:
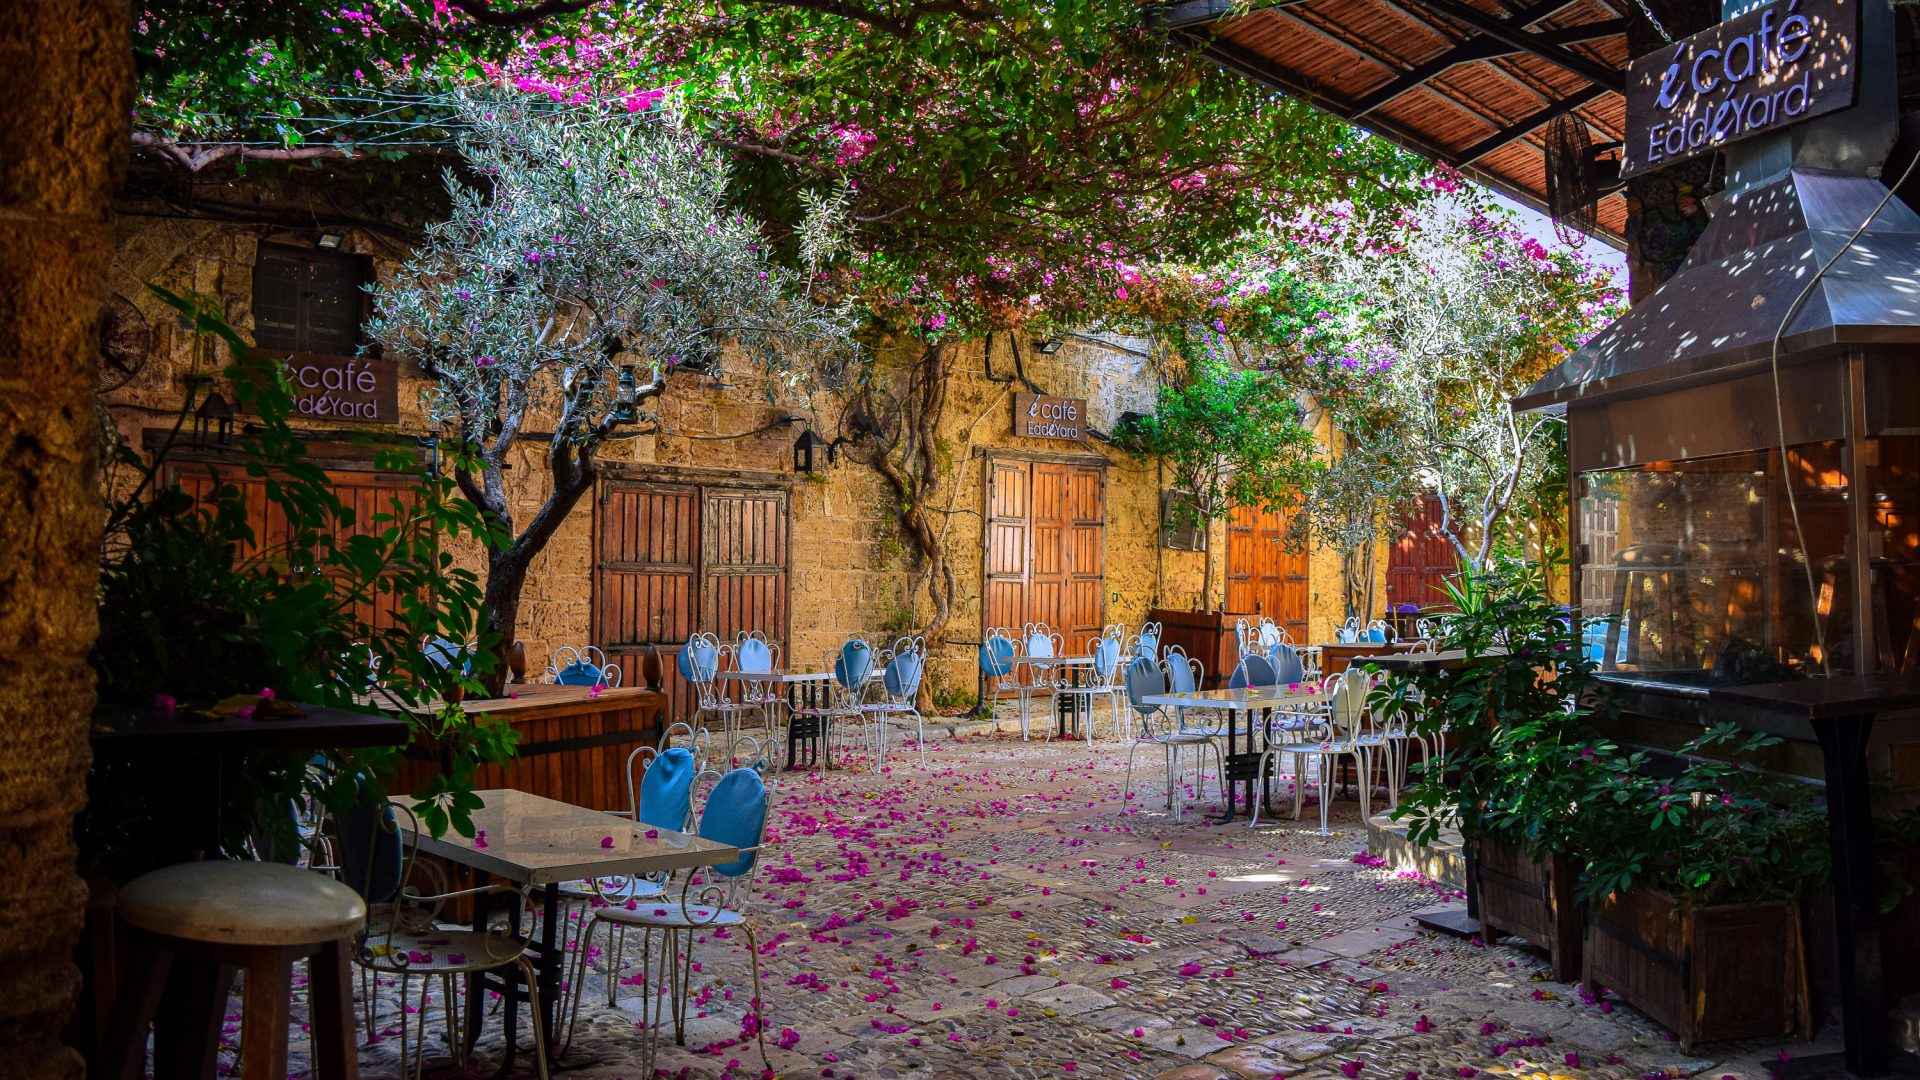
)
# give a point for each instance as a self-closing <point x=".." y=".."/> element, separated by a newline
<point x="804" y="449"/>
<point x="1048" y="347"/>
<point x="215" y="417"/>
<point x="626" y="397"/>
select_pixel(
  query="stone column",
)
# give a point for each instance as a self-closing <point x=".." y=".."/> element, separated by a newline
<point x="64" y="122"/>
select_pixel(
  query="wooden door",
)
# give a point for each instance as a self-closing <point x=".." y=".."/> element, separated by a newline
<point x="1263" y="577"/>
<point x="673" y="559"/>
<point x="374" y="499"/>
<point x="1421" y="561"/>
<point x="1046" y="547"/>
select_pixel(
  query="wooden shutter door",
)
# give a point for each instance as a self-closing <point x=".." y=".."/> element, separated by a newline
<point x="1009" y="517"/>
<point x="1084" y="608"/>
<point x="1243" y="578"/>
<point x="744" y="558"/>
<point x="648" y="545"/>
<point x="1047" y="558"/>
<point x="1263" y="577"/>
<point x="1421" y="560"/>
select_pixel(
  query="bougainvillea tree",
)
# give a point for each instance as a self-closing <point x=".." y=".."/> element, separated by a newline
<point x="598" y="257"/>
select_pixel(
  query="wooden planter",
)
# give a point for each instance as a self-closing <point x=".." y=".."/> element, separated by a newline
<point x="1706" y="974"/>
<point x="1530" y="899"/>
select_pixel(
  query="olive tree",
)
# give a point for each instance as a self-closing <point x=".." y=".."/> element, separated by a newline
<point x="591" y="256"/>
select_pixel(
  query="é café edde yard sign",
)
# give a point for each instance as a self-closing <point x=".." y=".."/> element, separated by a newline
<point x="1043" y="416"/>
<point x="1760" y="71"/>
<point x="344" y="387"/>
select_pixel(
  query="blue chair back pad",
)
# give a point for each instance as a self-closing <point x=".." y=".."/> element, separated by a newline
<point x="1106" y="655"/>
<point x="1287" y="668"/>
<point x="578" y="673"/>
<point x="856" y="659"/>
<point x="736" y="815"/>
<point x="371" y="858"/>
<point x="902" y="677"/>
<point x="1039" y="645"/>
<point x="755" y="655"/>
<point x="1149" y="645"/>
<point x="1254" y="670"/>
<point x="1144" y="678"/>
<point x="996" y="656"/>
<point x="666" y="791"/>
<point x="1180" y="672"/>
<point x="1377" y="636"/>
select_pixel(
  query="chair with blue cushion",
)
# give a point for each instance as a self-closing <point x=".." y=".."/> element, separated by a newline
<point x="699" y="664"/>
<point x="1145" y="679"/>
<point x="1000" y="670"/>
<point x="852" y="664"/>
<point x="752" y="652"/>
<point x="582" y="666"/>
<point x="1148" y="643"/>
<point x="900" y="685"/>
<point x="707" y="898"/>
<point x="1254" y="671"/>
<point x="1288" y="670"/>
<point x="1107" y="679"/>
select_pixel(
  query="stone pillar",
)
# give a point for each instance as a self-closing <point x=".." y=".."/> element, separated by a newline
<point x="63" y="143"/>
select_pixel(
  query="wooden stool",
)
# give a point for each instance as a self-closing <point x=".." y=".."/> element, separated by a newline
<point x="197" y="922"/>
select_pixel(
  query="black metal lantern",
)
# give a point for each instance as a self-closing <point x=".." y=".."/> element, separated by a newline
<point x="626" y="397"/>
<point x="213" y="416"/>
<point x="804" y="448"/>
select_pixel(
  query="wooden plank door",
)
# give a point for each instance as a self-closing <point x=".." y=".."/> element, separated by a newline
<point x="1009" y="521"/>
<point x="1263" y="576"/>
<point x="1421" y="561"/>
<point x="1046" y="548"/>
<point x="647" y="552"/>
<point x="744" y="563"/>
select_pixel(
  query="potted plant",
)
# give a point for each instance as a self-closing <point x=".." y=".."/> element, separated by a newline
<point x="1516" y="719"/>
<point x="1692" y="883"/>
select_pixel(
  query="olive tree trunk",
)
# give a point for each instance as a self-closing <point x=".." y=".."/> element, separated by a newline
<point x="64" y="129"/>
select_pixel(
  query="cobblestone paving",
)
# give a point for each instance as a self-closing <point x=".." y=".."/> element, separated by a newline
<point x="1003" y="912"/>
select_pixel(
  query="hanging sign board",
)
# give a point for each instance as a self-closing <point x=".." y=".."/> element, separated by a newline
<point x="1772" y="67"/>
<point x="344" y="387"/>
<point x="1043" y="416"/>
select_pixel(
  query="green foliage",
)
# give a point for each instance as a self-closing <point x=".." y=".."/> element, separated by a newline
<point x="1230" y="438"/>
<point x="1525" y="765"/>
<point x="197" y="605"/>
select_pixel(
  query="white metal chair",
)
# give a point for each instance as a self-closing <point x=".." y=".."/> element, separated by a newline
<point x="1346" y="712"/>
<point x="1040" y="643"/>
<point x="1146" y="678"/>
<point x="852" y="665"/>
<point x="582" y="666"/>
<point x="1106" y="681"/>
<point x="700" y="662"/>
<point x="1000" y="672"/>
<point x="1147" y="643"/>
<point x="753" y="652"/>
<point x="900" y="683"/>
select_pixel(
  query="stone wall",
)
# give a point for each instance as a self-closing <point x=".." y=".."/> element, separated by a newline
<point x="848" y="562"/>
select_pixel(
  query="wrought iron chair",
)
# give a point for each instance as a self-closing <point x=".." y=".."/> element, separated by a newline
<point x="583" y="666"/>
<point x="700" y="663"/>
<point x="1000" y="668"/>
<point x="1346" y="719"/>
<point x="1146" y="678"/>
<point x="1107" y="681"/>
<point x="1148" y="642"/>
<point x="900" y="683"/>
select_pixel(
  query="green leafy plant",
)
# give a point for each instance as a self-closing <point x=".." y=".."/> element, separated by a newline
<point x="204" y="606"/>
<point x="1230" y="438"/>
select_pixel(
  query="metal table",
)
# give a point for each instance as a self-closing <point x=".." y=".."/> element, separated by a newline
<point x="807" y="696"/>
<point x="537" y="841"/>
<point x="1067" y="709"/>
<point x="1243" y="766"/>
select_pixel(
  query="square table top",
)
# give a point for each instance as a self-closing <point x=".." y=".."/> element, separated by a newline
<point x="1824" y="697"/>
<point x="1253" y="697"/>
<point x="777" y="675"/>
<point x="539" y="841"/>
<point x="137" y="734"/>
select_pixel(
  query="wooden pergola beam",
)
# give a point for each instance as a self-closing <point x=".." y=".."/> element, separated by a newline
<point x="1467" y="52"/>
<point x="1513" y="32"/>
<point x="1520" y="129"/>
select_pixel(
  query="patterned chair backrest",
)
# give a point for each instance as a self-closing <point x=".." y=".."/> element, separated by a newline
<point x="1376" y="635"/>
<point x="666" y="791"/>
<point x="1148" y="643"/>
<point x="1184" y="675"/>
<point x="578" y="673"/>
<point x="1254" y="670"/>
<point x="1349" y="702"/>
<point x="699" y="659"/>
<point x="1269" y="635"/>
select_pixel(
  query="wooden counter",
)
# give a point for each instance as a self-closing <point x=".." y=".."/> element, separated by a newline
<point x="573" y="743"/>
<point x="1336" y="656"/>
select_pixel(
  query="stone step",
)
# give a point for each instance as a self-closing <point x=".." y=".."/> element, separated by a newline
<point x="1443" y="860"/>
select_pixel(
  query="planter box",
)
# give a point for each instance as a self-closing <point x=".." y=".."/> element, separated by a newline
<point x="1706" y="974"/>
<point x="1532" y="900"/>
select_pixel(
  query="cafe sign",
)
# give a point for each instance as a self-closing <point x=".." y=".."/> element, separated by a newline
<point x="1758" y="72"/>
<point x="1043" y="416"/>
<point x="344" y="387"/>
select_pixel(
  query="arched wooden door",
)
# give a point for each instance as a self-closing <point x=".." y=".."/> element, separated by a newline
<point x="1263" y="577"/>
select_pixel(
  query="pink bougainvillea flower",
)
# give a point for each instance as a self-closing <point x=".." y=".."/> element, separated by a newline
<point x="1350" y="1069"/>
<point x="606" y="842"/>
<point x="267" y="694"/>
<point x="1423" y="1025"/>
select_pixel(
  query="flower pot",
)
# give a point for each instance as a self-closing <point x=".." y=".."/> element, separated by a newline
<point x="1530" y="899"/>
<point x="1705" y="973"/>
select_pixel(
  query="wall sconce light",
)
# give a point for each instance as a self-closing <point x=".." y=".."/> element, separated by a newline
<point x="804" y="448"/>
<point x="1048" y="347"/>
<point x="213" y="416"/>
<point x="329" y="241"/>
<point x="626" y="397"/>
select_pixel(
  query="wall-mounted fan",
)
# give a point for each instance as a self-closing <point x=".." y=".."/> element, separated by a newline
<point x="123" y="345"/>
<point x="1577" y="179"/>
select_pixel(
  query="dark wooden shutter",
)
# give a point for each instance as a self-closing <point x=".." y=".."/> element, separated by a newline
<point x="1421" y="561"/>
<point x="1178" y="529"/>
<point x="648" y="549"/>
<point x="1046" y="548"/>
<point x="744" y="578"/>
<point x="306" y="300"/>
<point x="1009" y="514"/>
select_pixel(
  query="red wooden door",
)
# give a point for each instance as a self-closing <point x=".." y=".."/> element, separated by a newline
<point x="374" y="498"/>
<point x="1421" y="561"/>
<point x="1046" y="547"/>
<point x="1263" y="577"/>
<point x="672" y="559"/>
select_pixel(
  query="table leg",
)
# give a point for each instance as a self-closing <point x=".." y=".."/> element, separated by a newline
<point x="1234" y="768"/>
<point x="548" y="968"/>
<point x="476" y="981"/>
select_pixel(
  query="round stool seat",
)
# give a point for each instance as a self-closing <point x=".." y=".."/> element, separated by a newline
<point x="242" y="903"/>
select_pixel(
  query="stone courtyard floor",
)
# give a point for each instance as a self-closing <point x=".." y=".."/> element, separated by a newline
<point x="1003" y="912"/>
